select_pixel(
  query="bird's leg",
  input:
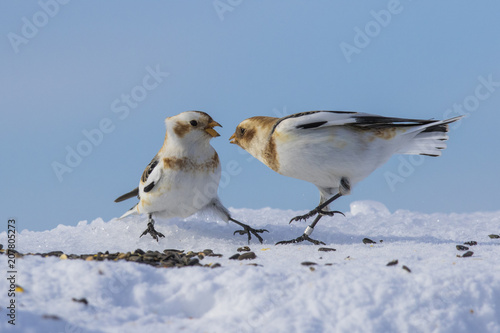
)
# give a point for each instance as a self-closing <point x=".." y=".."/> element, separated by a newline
<point x="248" y="230"/>
<point x="344" y="189"/>
<point x="151" y="229"/>
<point x="305" y="236"/>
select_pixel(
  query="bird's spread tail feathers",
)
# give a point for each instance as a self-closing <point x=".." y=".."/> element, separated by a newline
<point x="430" y="140"/>
<point x="131" y="211"/>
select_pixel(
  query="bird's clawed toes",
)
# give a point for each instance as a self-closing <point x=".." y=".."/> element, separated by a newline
<point x="330" y="213"/>
<point x="248" y="230"/>
<point x="251" y="231"/>
<point x="152" y="231"/>
<point x="314" y="212"/>
<point x="302" y="238"/>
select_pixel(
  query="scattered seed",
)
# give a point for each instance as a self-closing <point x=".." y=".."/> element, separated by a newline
<point x="368" y="241"/>
<point x="329" y="264"/>
<point x="471" y="243"/>
<point x="63" y="257"/>
<point x="312" y="269"/>
<point x="55" y="253"/>
<point x="462" y="248"/>
<point x="326" y="249"/>
<point x="52" y="317"/>
<point x="215" y="265"/>
<point x="467" y="254"/>
<point x="492" y="236"/>
<point x="81" y="300"/>
<point x="243" y="249"/>
<point x="308" y="263"/>
<point x="406" y="269"/>
<point x="235" y="256"/>
<point x="381" y="241"/>
<point x="247" y="255"/>
<point x="1" y="246"/>
<point x="193" y="262"/>
<point x="138" y="251"/>
<point x="392" y="263"/>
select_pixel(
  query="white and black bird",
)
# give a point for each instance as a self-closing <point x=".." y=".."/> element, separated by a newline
<point x="184" y="176"/>
<point x="334" y="150"/>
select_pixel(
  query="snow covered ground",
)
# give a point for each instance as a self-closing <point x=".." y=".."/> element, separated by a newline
<point x="356" y="293"/>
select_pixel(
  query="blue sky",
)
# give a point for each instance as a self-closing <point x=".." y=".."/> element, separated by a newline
<point x="77" y="76"/>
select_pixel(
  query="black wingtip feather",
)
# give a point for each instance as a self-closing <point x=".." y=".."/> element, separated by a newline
<point x="311" y="125"/>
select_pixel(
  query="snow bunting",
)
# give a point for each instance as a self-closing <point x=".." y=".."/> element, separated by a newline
<point x="183" y="177"/>
<point x="334" y="150"/>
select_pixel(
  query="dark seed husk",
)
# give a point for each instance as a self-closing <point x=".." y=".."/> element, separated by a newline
<point x="392" y="263"/>
<point x="216" y="265"/>
<point x="243" y="249"/>
<point x="406" y="269"/>
<point x="81" y="300"/>
<point x="235" y="256"/>
<point x="247" y="255"/>
<point x="467" y="254"/>
<point x="55" y="253"/>
<point x="172" y="250"/>
<point x="308" y="263"/>
<point x="193" y="262"/>
<point x="52" y="317"/>
<point x="326" y="249"/>
<point x="493" y="236"/>
<point x="368" y="241"/>
<point x="139" y="251"/>
<point x="471" y="243"/>
<point x="462" y="248"/>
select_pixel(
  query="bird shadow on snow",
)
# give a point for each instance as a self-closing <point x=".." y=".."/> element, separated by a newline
<point x="209" y="229"/>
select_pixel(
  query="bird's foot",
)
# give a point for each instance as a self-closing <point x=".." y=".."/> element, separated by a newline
<point x="152" y="231"/>
<point x="314" y="212"/>
<point x="248" y="230"/>
<point x="302" y="238"/>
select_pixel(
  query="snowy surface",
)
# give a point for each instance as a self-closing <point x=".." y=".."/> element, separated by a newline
<point x="357" y="293"/>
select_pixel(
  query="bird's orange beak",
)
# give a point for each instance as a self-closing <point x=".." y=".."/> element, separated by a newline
<point x="210" y="128"/>
<point x="232" y="139"/>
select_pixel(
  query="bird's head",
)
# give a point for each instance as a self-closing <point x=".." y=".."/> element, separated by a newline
<point x="252" y="134"/>
<point x="192" y="126"/>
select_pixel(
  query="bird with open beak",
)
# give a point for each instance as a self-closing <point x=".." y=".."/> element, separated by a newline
<point x="184" y="176"/>
<point x="334" y="150"/>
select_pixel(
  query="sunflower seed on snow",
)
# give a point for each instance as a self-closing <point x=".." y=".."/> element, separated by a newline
<point x="308" y="263"/>
<point x="247" y="255"/>
<point x="406" y="269"/>
<point x="392" y="263"/>
<point x="326" y="249"/>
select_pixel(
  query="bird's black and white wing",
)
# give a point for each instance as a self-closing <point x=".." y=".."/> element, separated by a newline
<point x="149" y="179"/>
<point x="322" y="119"/>
<point x="151" y="176"/>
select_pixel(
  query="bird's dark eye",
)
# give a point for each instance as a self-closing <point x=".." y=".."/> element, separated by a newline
<point x="194" y="122"/>
<point x="242" y="131"/>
